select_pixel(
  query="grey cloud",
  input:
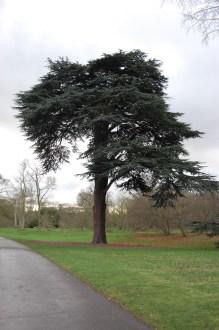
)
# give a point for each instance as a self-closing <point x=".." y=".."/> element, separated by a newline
<point x="2" y="2"/>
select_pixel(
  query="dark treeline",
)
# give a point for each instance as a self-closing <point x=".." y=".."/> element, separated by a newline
<point x="138" y="213"/>
<point x="127" y="213"/>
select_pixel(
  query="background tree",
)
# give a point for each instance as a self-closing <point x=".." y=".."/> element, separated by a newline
<point x="117" y="216"/>
<point x="137" y="213"/>
<point x="23" y="195"/>
<point x="6" y="212"/>
<point x="85" y="199"/>
<point x="202" y="15"/>
<point x="118" y="103"/>
<point x="4" y="183"/>
<point x="50" y="216"/>
<point x="42" y="186"/>
<point x="6" y="205"/>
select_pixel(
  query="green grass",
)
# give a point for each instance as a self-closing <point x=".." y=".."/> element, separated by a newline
<point x="170" y="287"/>
<point x="60" y="235"/>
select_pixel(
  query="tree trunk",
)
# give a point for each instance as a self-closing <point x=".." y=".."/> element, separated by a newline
<point x="23" y="210"/>
<point x="15" y="218"/>
<point x="22" y="220"/>
<point x="36" y="180"/>
<point x="99" y="211"/>
<point x="15" y="214"/>
<point x="39" y="214"/>
<point x="181" y="228"/>
<point x="101" y="134"/>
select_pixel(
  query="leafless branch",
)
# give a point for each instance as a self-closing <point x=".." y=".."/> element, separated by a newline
<point x="202" y="15"/>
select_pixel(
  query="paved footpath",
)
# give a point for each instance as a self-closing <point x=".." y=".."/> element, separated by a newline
<point x="35" y="294"/>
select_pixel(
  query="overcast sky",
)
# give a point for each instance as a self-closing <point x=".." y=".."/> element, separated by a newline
<point x="33" y="30"/>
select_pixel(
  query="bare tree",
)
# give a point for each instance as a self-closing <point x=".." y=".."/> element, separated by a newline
<point x="202" y="15"/>
<point x="3" y="184"/>
<point x="85" y="198"/>
<point x="42" y="185"/>
<point x="11" y="191"/>
<point x="22" y="193"/>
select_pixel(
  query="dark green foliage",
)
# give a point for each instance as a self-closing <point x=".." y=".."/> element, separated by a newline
<point x="118" y="103"/>
<point x="6" y="213"/>
<point x="51" y="216"/>
<point x="210" y="228"/>
<point x="32" y="220"/>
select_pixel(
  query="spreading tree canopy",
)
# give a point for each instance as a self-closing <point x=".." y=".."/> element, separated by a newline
<point x="118" y="104"/>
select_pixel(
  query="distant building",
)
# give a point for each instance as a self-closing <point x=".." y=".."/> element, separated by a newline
<point x="71" y="207"/>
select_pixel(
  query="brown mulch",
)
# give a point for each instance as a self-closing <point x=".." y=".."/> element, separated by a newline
<point x="115" y="245"/>
<point x="147" y="241"/>
<point x="175" y="240"/>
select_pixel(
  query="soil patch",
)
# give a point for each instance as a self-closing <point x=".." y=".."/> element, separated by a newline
<point x="141" y="240"/>
<point x="116" y="245"/>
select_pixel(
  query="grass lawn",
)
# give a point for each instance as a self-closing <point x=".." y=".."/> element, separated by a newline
<point x="60" y="235"/>
<point x="171" y="283"/>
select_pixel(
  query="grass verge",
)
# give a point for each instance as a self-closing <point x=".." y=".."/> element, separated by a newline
<point x="174" y="287"/>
